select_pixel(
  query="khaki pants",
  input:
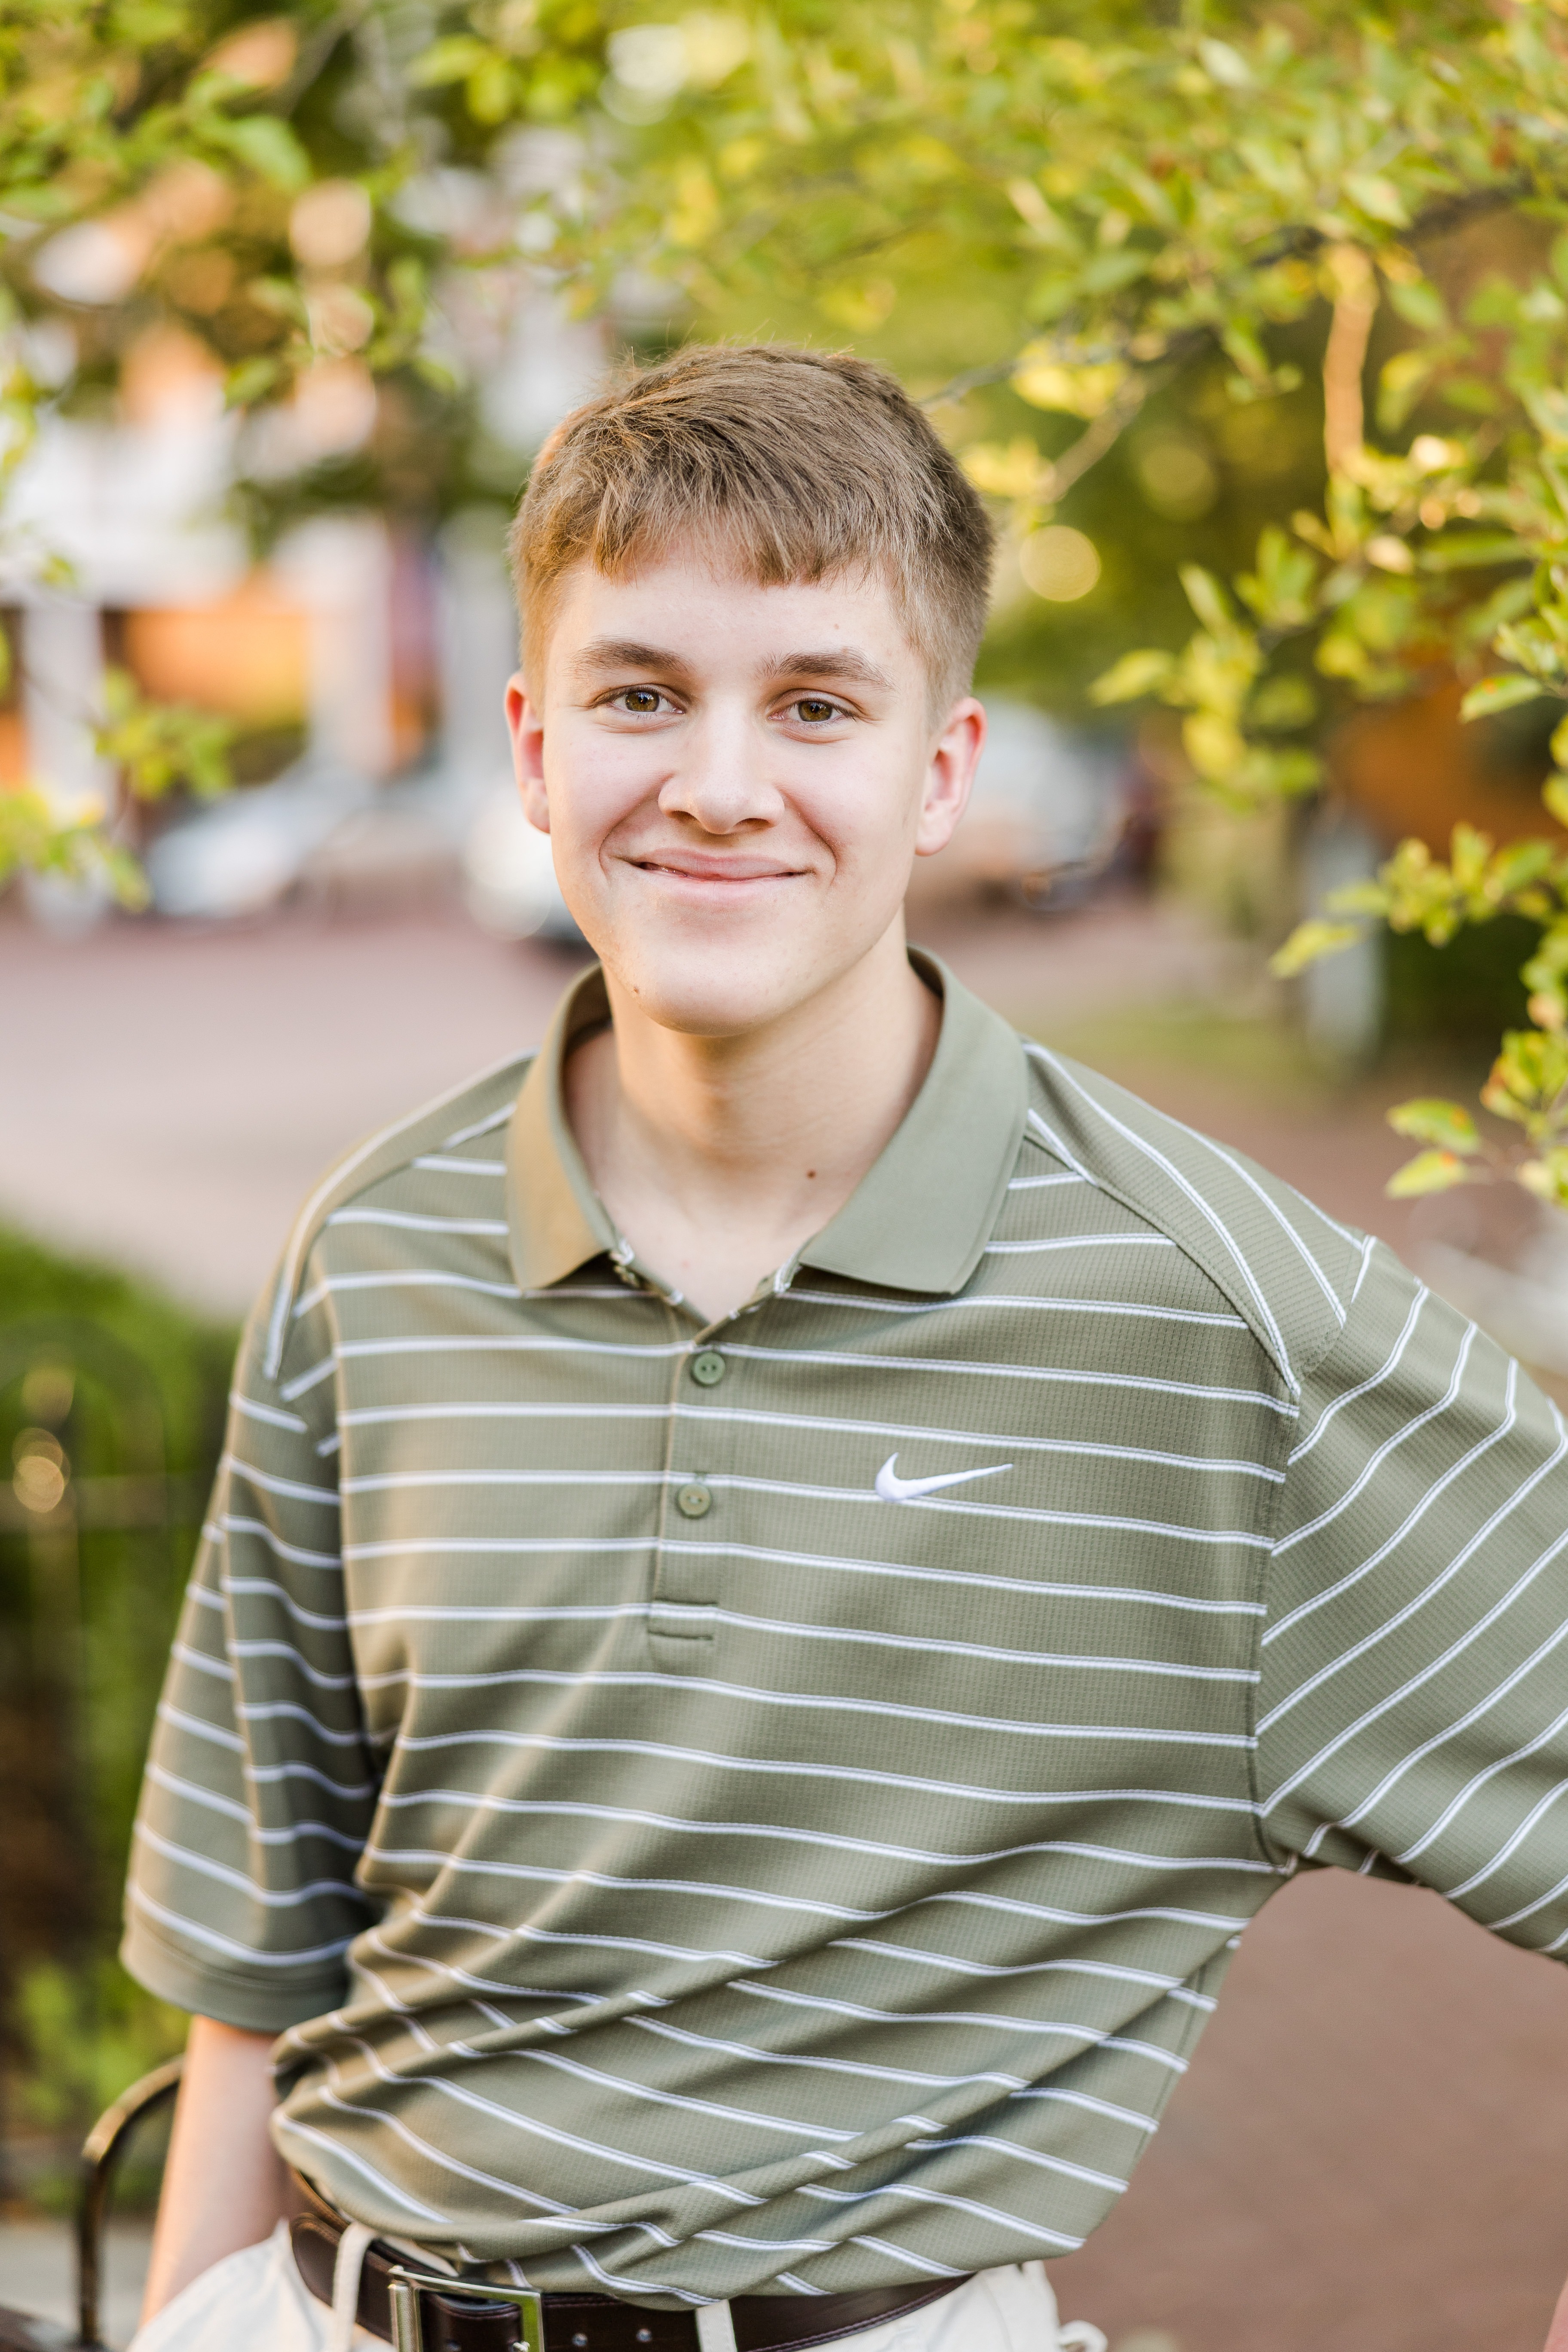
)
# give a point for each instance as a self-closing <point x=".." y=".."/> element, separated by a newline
<point x="256" y="2302"/>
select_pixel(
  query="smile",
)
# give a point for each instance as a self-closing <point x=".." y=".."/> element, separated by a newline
<point x="715" y="877"/>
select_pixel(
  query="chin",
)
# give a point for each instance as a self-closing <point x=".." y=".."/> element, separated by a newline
<point x="715" y="988"/>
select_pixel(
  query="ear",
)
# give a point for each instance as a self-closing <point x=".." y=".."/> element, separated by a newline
<point x="525" y="724"/>
<point x="955" y="755"/>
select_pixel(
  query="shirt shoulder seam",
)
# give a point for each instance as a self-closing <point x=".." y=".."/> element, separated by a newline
<point x="1227" y="1280"/>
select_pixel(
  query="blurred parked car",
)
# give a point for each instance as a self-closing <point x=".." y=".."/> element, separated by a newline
<point x="1047" y="818"/>
<point x="243" y="854"/>
<point x="508" y="874"/>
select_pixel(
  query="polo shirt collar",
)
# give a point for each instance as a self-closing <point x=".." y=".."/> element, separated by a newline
<point x="918" y="1219"/>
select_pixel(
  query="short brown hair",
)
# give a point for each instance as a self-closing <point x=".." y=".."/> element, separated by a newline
<point x="797" y="465"/>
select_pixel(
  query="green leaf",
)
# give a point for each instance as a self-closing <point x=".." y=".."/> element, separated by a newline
<point x="1308" y="942"/>
<point x="1554" y="793"/>
<point x="452" y="59"/>
<point x="1548" y="406"/>
<point x="1519" y="867"/>
<point x="1224" y="65"/>
<point x="124" y="877"/>
<point x="146" y="24"/>
<point x="1364" y="897"/>
<point x="1135" y="674"/>
<point x="1279" y="592"/>
<point x="1401" y="382"/>
<point x="1377" y="198"/>
<point x="1420" y="306"/>
<point x="1473" y="393"/>
<point x="268" y="145"/>
<point x="1215" y="745"/>
<point x="250" y="382"/>
<point x="1495" y="302"/>
<point x="1430" y="1119"/>
<point x="1109" y="272"/>
<point x="1207" y="598"/>
<point x="1472" y="551"/>
<point x="1547" y="1178"/>
<point x="1528" y="1078"/>
<point x="1503" y="693"/>
<point x="491" y="90"/>
<point x="1283" y="702"/>
<point x="1285" y="775"/>
<point x="1429" y="1171"/>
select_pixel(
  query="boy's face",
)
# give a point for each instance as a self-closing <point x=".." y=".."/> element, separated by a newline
<point x="736" y="782"/>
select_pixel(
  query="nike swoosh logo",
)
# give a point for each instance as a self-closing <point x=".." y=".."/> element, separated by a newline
<point x="894" y="1490"/>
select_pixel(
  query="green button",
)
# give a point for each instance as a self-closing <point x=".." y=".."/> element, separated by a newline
<point x="709" y="1368"/>
<point x="693" y="1500"/>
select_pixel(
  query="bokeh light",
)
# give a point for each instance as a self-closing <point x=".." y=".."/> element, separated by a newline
<point x="1059" y="563"/>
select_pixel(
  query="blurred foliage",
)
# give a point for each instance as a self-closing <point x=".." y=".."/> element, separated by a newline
<point x="84" y="2034"/>
<point x="1141" y="262"/>
<point x="1457" y="998"/>
<point x="112" y="1409"/>
<point x="157" y="744"/>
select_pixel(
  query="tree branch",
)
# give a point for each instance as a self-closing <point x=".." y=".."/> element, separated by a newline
<point x="1099" y="436"/>
<point x="1344" y="357"/>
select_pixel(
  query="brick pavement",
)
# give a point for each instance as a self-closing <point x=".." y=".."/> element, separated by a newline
<point x="1370" y="2152"/>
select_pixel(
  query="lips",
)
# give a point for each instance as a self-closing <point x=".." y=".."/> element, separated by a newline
<point x="717" y="870"/>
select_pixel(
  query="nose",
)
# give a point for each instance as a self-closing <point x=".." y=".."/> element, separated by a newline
<point x="720" y="781"/>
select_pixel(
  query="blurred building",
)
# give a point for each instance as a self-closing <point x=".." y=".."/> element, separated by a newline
<point x="362" y="665"/>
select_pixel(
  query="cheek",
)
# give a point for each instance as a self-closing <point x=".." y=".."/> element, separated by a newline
<point x="594" y="783"/>
<point x="864" y="819"/>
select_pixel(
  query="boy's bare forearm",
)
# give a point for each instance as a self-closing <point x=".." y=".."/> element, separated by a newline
<point x="225" y="2186"/>
<point x="1557" y="2335"/>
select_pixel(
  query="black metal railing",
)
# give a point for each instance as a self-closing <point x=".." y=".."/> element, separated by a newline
<point x="102" y="2151"/>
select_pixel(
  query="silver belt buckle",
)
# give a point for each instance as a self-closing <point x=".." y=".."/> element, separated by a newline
<point x="404" y="2287"/>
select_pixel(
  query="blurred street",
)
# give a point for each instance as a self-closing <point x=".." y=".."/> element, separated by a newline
<point x="1368" y="2154"/>
<point x="176" y="1091"/>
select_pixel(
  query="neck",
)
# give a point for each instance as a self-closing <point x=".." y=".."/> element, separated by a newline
<point x="718" y="1157"/>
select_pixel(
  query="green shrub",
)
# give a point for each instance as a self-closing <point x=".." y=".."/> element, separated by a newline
<point x="111" y="1406"/>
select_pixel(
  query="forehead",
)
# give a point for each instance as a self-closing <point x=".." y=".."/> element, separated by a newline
<point x="719" y="619"/>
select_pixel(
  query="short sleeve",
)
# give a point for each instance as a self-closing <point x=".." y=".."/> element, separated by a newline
<point x="260" y="1785"/>
<point x="1414" y="1697"/>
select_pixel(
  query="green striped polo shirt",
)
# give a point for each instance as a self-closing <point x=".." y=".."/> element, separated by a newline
<point x="771" y="1805"/>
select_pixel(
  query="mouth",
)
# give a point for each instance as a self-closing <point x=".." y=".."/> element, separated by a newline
<point x="715" y="877"/>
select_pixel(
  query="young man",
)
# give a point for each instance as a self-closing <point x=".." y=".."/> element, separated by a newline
<point x="792" y="1571"/>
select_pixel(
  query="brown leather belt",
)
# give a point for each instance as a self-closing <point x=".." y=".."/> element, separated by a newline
<point x="419" y="2313"/>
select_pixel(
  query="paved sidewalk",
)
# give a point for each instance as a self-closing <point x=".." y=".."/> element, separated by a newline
<point x="171" y="1094"/>
<point x="1369" y="2154"/>
<point x="37" y="2274"/>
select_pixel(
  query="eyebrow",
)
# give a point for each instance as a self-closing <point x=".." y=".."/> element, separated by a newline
<point x="838" y="661"/>
<point x="627" y="652"/>
<point x="610" y="654"/>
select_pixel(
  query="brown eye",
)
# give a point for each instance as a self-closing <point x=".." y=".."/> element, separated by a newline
<point x="642" y="700"/>
<point x="815" y="711"/>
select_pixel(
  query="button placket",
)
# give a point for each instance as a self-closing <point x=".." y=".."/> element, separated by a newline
<point x="685" y="1589"/>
